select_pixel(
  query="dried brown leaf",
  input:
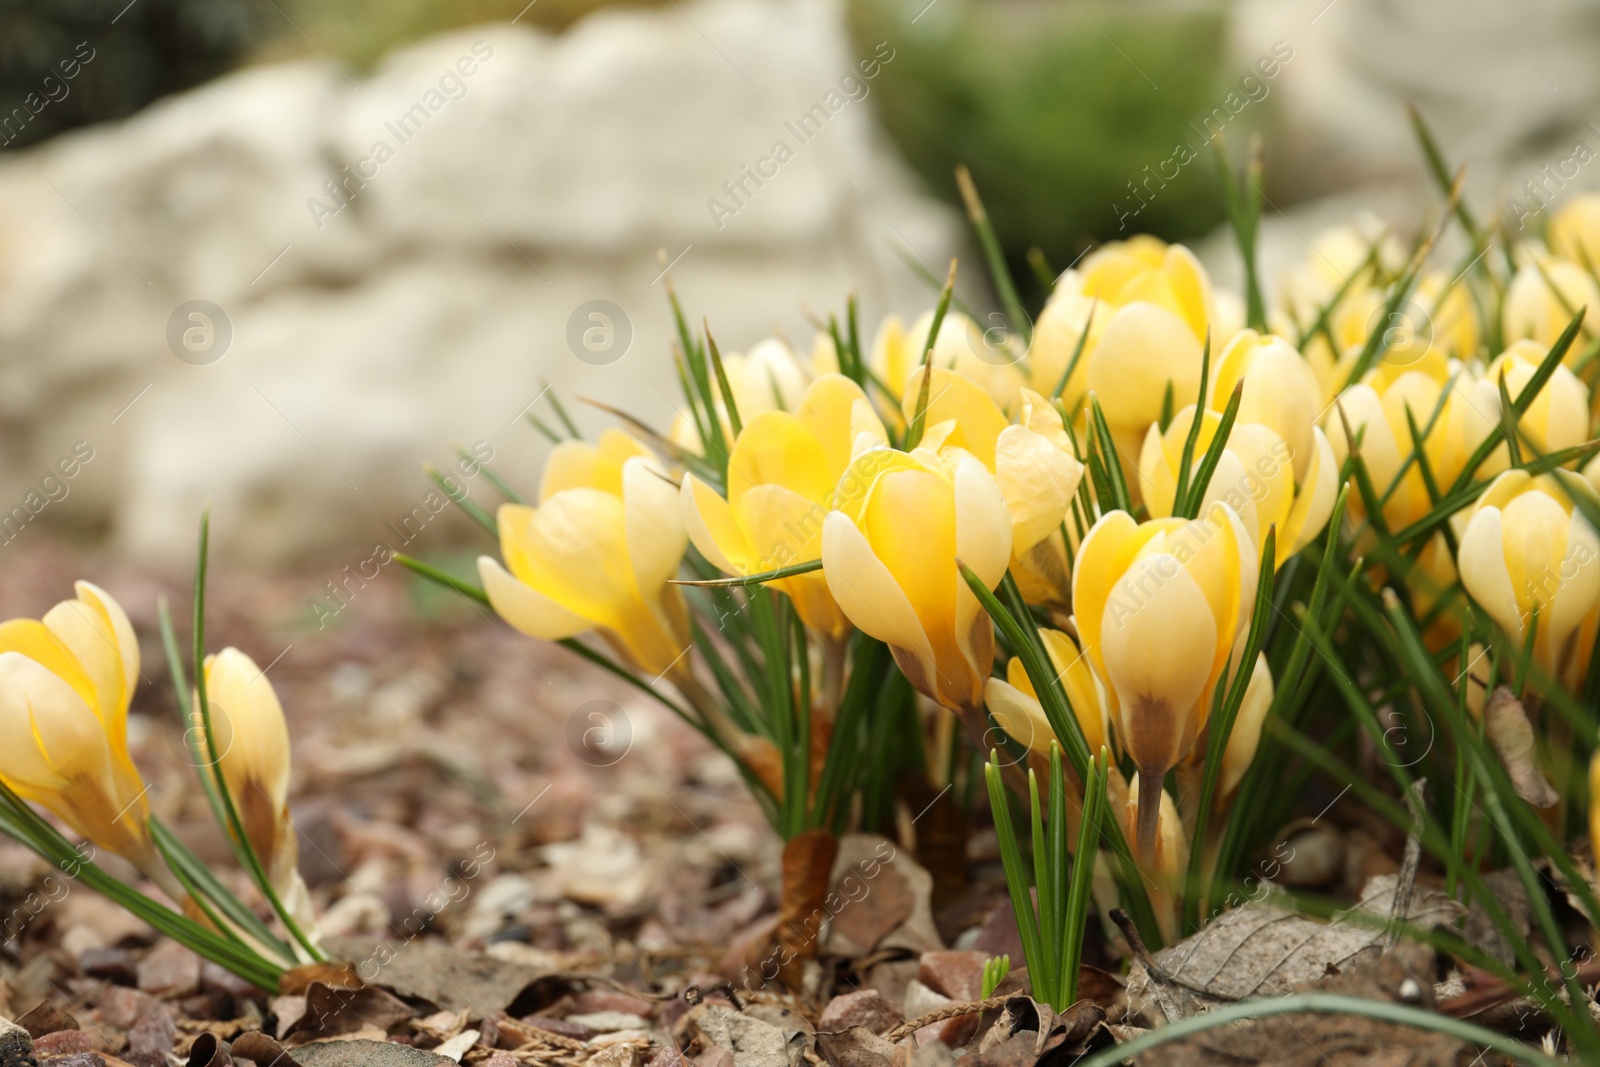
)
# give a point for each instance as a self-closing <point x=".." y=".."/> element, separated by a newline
<point x="1505" y="721"/>
<point x="1263" y="949"/>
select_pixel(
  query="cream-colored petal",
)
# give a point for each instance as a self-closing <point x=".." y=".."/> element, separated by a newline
<point x="1019" y="715"/>
<point x="866" y="592"/>
<point x="1481" y="561"/>
<point x="49" y="737"/>
<point x="527" y="610"/>
<point x="1245" y="736"/>
<point x="1578" y="581"/>
<point x="1158" y="680"/>
<point x="1143" y="348"/>
<point x="713" y="529"/>
<point x="655" y="530"/>
<point x="1313" y="503"/>
<point x="1037" y="480"/>
<point x="248" y="725"/>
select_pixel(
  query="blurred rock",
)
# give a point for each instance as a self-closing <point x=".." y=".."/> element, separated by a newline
<point x="957" y="975"/>
<point x="169" y="970"/>
<point x="520" y="176"/>
<point x="865" y="1007"/>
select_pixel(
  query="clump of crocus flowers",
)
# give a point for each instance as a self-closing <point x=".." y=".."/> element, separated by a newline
<point x="1118" y="551"/>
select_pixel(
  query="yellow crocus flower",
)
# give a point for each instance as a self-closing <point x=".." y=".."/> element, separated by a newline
<point x="1280" y="390"/>
<point x="596" y="554"/>
<point x="1151" y="305"/>
<point x="1254" y="477"/>
<point x="1557" y="418"/>
<point x="889" y="552"/>
<point x="1526" y="547"/>
<point x="769" y="377"/>
<point x="988" y="359"/>
<point x="1014" y="702"/>
<point x="1574" y="231"/>
<point x="1379" y="403"/>
<point x="1032" y="460"/>
<point x="252" y="741"/>
<point x="782" y="473"/>
<point x="1159" y="606"/>
<point x="65" y="685"/>
<point x="1544" y="295"/>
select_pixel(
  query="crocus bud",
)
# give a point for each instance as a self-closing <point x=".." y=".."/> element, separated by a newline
<point x="65" y="685"/>
<point x="1379" y="402"/>
<point x="596" y="554"/>
<point x="896" y="355"/>
<point x="782" y="474"/>
<point x="770" y="377"/>
<point x="896" y="579"/>
<point x="1544" y="295"/>
<point x="1527" y="548"/>
<point x="1151" y="306"/>
<point x="1280" y="390"/>
<point x="1158" y="606"/>
<point x="252" y="745"/>
<point x="1014" y="703"/>
<point x="1574" y="232"/>
<point x="1254" y="477"/>
<point x="1558" y="417"/>
<point x="1245" y="737"/>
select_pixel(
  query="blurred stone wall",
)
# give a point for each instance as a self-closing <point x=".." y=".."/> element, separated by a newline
<point x="1510" y="89"/>
<point x="284" y="291"/>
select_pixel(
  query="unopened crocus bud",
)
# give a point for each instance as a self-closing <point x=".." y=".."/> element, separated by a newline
<point x="1543" y="297"/>
<point x="1527" y="548"/>
<point x="1165" y="857"/>
<point x="1557" y="418"/>
<point x="1254" y="477"/>
<point x="1014" y="702"/>
<point x="1159" y="606"/>
<point x="1280" y="391"/>
<point x="252" y="752"/>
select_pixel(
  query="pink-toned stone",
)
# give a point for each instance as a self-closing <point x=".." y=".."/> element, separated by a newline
<point x="501" y="1058"/>
<point x="957" y="975"/>
<point x="169" y="970"/>
<point x="62" y="1043"/>
<point x="866" y="1007"/>
<point x="122" y="1007"/>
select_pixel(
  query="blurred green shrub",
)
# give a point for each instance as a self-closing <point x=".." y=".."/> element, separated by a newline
<point x="66" y="63"/>
<point x="1055" y="115"/>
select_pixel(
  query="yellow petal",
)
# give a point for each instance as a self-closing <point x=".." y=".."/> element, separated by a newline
<point x="1019" y="715"/>
<point x="247" y="721"/>
<point x="1143" y="348"/>
<point x="867" y="592"/>
<point x="955" y="397"/>
<point x="713" y="529"/>
<point x="1481" y="560"/>
<point x="526" y="609"/>
<point x="654" y="524"/>
<point x="1245" y="736"/>
<point x="776" y="448"/>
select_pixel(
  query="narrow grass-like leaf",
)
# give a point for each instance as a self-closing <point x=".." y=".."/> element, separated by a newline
<point x="990" y="242"/>
<point x="1213" y="456"/>
<point x="1320" y="1004"/>
<point x="751" y="579"/>
<point x="459" y="497"/>
<point x="919" y="419"/>
<point x="243" y="848"/>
